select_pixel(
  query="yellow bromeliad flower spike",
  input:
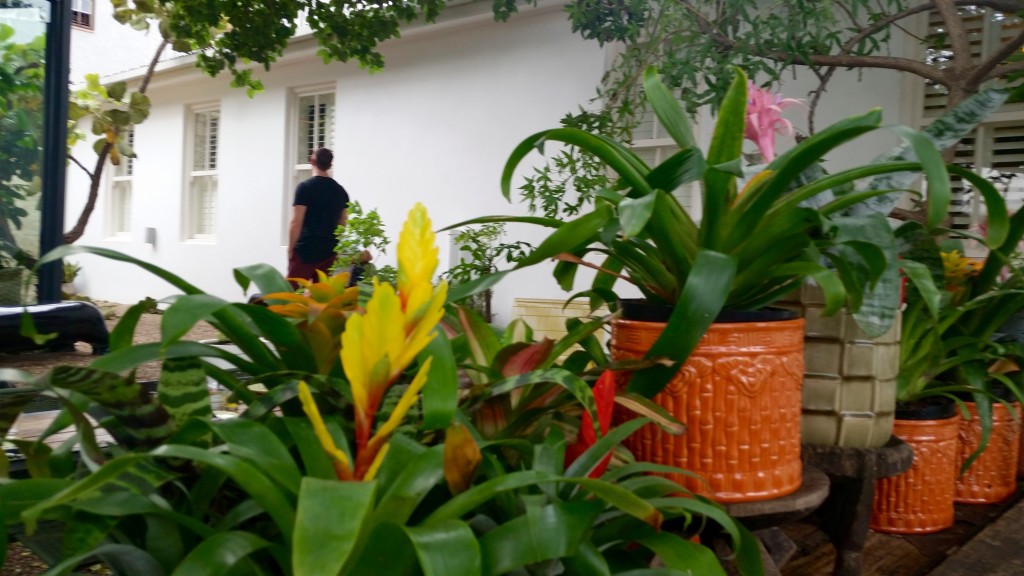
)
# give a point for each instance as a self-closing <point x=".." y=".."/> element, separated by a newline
<point x="380" y="343"/>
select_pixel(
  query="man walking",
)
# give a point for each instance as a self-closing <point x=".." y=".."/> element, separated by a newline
<point x="320" y="206"/>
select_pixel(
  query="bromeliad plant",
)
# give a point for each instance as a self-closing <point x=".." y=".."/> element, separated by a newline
<point x="378" y="345"/>
<point x="750" y="246"/>
<point x="286" y="492"/>
<point x="950" y="342"/>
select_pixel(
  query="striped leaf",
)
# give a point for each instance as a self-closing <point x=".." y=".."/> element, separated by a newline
<point x="142" y="418"/>
<point x="943" y="132"/>
<point x="183" y="391"/>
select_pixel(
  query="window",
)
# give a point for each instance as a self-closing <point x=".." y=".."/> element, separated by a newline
<point x="313" y="121"/>
<point x="121" y="191"/>
<point x="201" y="198"/>
<point x="81" y="13"/>
<point x="996" y="148"/>
<point x="653" y="145"/>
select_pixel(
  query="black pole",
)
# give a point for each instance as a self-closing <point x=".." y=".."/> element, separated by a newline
<point x="55" y="116"/>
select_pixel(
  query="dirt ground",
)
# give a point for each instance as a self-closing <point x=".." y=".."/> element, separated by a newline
<point x="147" y="330"/>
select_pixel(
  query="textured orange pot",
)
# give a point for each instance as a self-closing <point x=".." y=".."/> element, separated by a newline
<point x="1020" y="457"/>
<point x="993" y="475"/>
<point x="920" y="500"/>
<point x="739" y="396"/>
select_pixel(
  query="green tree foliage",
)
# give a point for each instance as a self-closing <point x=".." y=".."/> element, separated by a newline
<point x="21" y="110"/>
<point x="481" y="248"/>
<point x="695" y="43"/>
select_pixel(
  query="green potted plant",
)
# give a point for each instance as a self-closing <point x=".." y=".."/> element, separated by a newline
<point x="480" y="250"/>
<point x="69" y="272"/>
<point x="750" y="247"/>
<point x="951" y="357"/>
<point x="362" y="466"/>
<point x="852" y="358"/>
<point x="362" y="234"/>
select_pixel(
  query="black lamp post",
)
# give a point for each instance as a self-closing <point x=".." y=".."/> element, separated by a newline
<point x="55" y="116"/>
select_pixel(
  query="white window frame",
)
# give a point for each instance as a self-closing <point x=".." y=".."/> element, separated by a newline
<point x="83" y="14"/>
<point x="191" y="217"/>
<point x="664" y="147"/>
<point x="297" y="168"/>
<point x="120" y="194"/>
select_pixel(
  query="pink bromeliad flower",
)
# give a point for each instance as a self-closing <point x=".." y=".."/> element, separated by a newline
<point x="764" y="119"/>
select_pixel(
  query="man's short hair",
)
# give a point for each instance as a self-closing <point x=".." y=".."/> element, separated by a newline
<point x="323" y="158"/>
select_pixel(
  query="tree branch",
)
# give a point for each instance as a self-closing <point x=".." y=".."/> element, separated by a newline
<point x="80" y="165"/>
<point x="152" y="66"/>
<point x="90" y="204"/>
<point x="980" y="72"/>
<point x="958" y="40"/>
<point x="1005" y="69"/>
<point x="76" y="232"/>
<point x="824" y="60"/>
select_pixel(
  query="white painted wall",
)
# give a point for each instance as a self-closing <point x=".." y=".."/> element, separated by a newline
<point x="435" y="126"/>
<point x="110" y="47"/>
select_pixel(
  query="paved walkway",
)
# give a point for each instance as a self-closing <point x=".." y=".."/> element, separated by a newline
<point x="997" y="551"/>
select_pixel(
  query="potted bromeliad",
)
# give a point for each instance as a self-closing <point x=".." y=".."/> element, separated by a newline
<point x="707" y="286"/>
<point x="957" y="406"/>
<point x="357" y="459"/>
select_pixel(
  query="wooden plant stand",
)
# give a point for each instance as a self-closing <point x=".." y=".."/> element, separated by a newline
<point x="847" y="510"/>
<point x="764" y="517"/>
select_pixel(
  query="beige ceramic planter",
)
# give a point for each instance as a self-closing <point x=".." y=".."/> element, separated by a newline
<point x="849" y="388"/>
<point x="739" y="396"/>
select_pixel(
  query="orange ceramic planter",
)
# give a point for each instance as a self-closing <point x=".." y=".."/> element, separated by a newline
<point x="1020" y="457"/>
<point x="993" y="475"/>
<point x="739" y="396"/>
<point x="920" y="500"/>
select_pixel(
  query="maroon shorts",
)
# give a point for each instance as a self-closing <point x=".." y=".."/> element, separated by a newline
<point x="299" y="269"/>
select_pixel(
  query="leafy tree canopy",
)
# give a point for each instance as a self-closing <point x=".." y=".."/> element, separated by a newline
<point x="695" y="44"/>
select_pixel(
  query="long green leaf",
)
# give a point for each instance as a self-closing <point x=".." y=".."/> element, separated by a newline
<point x="939" y="193"/>
<point x="417" y="475"/>
<point x="570" y="237"/>
<point x="220" y="554"/>
<point x="226" y="321"/>
<point x="441" y="392"/>
<point x="726" y="146"/>
<point x="754" y="205"/>
<point x="703" y="297"/>
<point x="268" y="279"/>
<point x="124" y="559"/>
<point x="681" y="554"/>
<point x="255" y="443"/>
<point x="671" y="116"/>
<point x="634" y="214"/>
<point x="121" y="335"/>
<point x="329" y="520"/>
<point x="609" y="152"/>
<point x="447" y="549"/>
<point x="542" y="533"/>
<point x="248" y="477"/>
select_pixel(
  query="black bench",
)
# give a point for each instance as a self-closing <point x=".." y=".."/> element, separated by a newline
<point x="72" y="322"/>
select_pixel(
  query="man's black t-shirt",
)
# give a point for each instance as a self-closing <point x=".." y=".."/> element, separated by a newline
<point x="324" y="200"/>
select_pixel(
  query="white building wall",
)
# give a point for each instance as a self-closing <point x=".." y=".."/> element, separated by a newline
<point x="110" y="47"/>
<point x="435" y="126"/>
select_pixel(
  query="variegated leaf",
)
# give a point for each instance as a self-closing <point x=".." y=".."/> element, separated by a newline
<point x="183" y="391"/>
<point x="141" y="417"/>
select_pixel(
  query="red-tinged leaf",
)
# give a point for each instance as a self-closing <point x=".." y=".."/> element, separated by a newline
<point x="604" y="395"/>
<point x="525" y="358"/>
<point x="461" y="458"/>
